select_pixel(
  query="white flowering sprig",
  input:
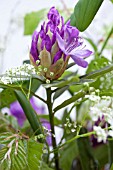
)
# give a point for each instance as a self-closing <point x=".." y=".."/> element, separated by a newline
<point x="101" y="111"/>
<point x="23" y="72"/>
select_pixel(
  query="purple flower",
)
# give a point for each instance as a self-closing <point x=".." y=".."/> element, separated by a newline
<point x="71" y="45"/>
<point x="17" y="111"/>
<point x="54" y="44"/>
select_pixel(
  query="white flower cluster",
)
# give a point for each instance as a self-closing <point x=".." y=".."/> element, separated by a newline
<point x="101" y="111"/>
<point x="19" y="73"/>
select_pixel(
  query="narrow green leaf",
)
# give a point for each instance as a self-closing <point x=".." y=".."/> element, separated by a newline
<point x="59" y="92"/>
<point x="72" y="99"/>
<point x="29" y="112"/>
<point x="92" y="44"/>
<point x="84" y="12"/>
<point x="97" y="73"/>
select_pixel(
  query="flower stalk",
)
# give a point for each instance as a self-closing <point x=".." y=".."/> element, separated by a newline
<point x="51" y="117"/>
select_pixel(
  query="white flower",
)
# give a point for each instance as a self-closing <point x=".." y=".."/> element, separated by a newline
<point x="6" y="80"/>
<point x="101" y="134"/>
<point x="110" y="133"/>
<point x="95" y="113"/>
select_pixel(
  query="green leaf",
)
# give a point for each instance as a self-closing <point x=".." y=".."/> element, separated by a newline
<point x="19" y="153"/>
<point x="29" y="112"/>
<point x="87" y="158"/>
<point x="111" y="167"/>
<point x="80" y="94"/>
<point x="59" y="92"/>
<point x="32" y="20"/>
<point x="101" y="154"/>
<point x="104" y="82"/>
<point x="68" y="153"/>
<point x="56" y="120"/>
<point x="84" y="12"/>
<point x="44" y="166"/>
<point x="34" y="154"/>
<point x="92" y="44"/>
<point x="7" y="96"/>
<point x="110" y="151"/>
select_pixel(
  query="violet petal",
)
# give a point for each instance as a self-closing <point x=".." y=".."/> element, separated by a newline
<point x="33" y="50"/>
<point x="81" y="53"/>
<point x="80" y="61"/>
<point x="61" y="42"/>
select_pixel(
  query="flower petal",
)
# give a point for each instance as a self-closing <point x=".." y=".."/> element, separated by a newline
<point x="81" y="53"/>
<point x="80" y="61"/>
<point x="61" y="42"/>
<point x="57" y="56"/>
<point x="33" y="50"/>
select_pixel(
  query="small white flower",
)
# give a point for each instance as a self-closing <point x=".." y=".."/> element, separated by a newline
<point x="95" y="113"/>
<point x="110" y="133"/>
<point x="101" y="134"/>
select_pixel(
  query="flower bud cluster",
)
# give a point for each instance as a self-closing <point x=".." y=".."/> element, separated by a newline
<point x="18" y="74"/>
<point x="54" y="44"/>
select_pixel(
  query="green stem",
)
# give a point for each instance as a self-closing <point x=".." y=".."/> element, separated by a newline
<point x="51" y="117"/>
<point x="106" y="41"/>
<point x="77" y="137"/>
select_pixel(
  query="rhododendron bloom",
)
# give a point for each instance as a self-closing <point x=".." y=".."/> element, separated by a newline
<point x="54" y="44"/>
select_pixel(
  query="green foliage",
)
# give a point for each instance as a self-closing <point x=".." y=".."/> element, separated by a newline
<point x="19" y="152"/>
<point x="29" y="112"/>
<point x="7" y="96"/>
<point x="84" y="12"/>
<point x="44" y="166"/>
<point x="32" y="20"/>
<point x="101" y="154"/>
<point x="68" y="153"/>
<point x="103" y="82"/>
<point x="110" y="144"/>
<point x="86" y="154"/>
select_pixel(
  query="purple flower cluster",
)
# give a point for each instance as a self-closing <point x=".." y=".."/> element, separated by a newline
<point x="54" y="44"/>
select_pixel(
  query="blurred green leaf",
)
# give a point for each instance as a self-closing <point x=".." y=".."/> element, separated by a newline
<point x="104" y="82"/>
<point x="44" y="166"/>
<point x="84" y="12"/>
<point x="87" y="158"/>
<point x="56" y="120"/>
<point x="29" y="112"/>
<point x="101" y="154"/>
<point x="59" y="92"/>
<point x="7" y="96"/>
<point x="68" y="153"/>
<point x="32" y="20"/>
<point x="110" y="149"/>
<point x="92" y="44"/>
<point x="111" y="167"/>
